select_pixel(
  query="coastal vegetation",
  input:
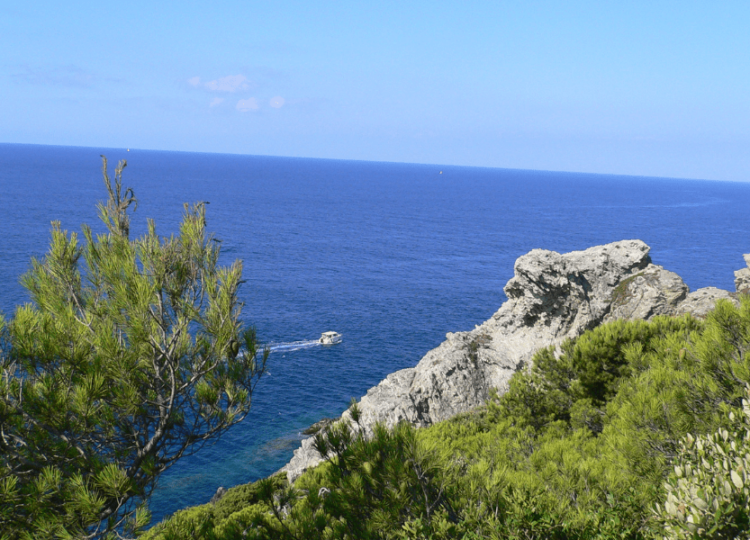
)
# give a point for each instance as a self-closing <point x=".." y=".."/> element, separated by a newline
<point x="129" y="356"/>
<point x="637" y="430"/>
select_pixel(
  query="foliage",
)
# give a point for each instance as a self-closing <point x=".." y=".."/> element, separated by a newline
<point x="370" y="486"/>
<point x="380" y="482"/>
<point x="574" y="386"/>
<point x="126" y="360"/>
<point x="235" y="514"/>
<point x="579" y="447"/>
<point x="195" y="522"/>
<point x="708" y="495"/>
<point x="239" y="497"/>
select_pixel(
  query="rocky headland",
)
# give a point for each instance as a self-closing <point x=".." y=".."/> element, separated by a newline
<point x="551" y="297"/>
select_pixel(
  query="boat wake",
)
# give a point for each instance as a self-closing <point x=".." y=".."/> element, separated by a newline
<point x="293" y="345"/>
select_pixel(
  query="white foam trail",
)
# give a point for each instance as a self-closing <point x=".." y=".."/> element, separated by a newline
<point x="292" y="345"/>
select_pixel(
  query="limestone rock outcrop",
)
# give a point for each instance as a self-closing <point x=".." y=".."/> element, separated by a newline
<point x="700" y="302"/>
<point x="551" y="297"/>
<point x="742" y="277"/>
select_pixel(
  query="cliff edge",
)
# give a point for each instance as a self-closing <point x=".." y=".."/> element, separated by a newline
<point x="551" y="297"/>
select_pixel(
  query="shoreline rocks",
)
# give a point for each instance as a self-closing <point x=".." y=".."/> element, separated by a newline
<point x="742" y="277"/>
<point x="320" y="425"/>
<point x="551" y="297"/>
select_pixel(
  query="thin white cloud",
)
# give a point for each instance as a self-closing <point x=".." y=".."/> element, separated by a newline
<point x="246" y="105"/>
<point x="216" y="101"/>
<point x="277" y="102"/>
<point x="230" y="83"/>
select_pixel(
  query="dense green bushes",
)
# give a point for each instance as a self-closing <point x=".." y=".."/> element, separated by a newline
<point x="581" y="446"/>
<point x="239" y="505"/>
<point x="126" y="359"/>
<point x="708" y="495"/>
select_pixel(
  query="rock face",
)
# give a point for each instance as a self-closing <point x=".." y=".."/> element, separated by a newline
<point x="551" y="297"/>
<point x="742" y="277"/>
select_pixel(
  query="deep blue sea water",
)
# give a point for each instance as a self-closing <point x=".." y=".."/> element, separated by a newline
<point x="391" y="255"/>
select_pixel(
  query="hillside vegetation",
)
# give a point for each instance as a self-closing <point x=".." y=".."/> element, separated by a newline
<point x="635" y="430"/>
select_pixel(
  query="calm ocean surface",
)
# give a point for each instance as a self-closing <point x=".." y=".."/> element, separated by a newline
<point x="391" y="255"/>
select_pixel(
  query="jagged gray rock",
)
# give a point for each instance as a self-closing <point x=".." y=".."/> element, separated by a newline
<point x="700" y="302"/>
<point x="551" y="297"/>
<point x="742" y="277"/>
<point x="218" y="495"/>
<point x="645" y="294"/>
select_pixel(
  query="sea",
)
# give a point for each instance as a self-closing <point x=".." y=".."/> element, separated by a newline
<point x="391" y="255"/>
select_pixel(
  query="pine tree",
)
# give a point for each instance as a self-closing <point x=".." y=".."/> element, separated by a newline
<point x="126" y="359"/>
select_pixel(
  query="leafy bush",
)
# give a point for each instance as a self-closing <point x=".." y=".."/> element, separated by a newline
<point x="239" y="497"/>
<point x="588" y="369"/>
<point x="195" y="522"/>
<point x="371" y="487"/>
<point x="578" y="448"/>
<point x="708" y="494"/>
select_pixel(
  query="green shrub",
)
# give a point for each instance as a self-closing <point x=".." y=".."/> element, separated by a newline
<point x="708" y="494"/>
<point x="589" y="369"/>
<point x="196" y="522"/>
<point x="579" y="448"/>
<point x="126" y="359"/>
<point x="239" y="497"/>
<point x="249" y="523"/>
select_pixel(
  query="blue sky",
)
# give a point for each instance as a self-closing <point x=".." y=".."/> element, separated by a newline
<point x="653" y="88"/>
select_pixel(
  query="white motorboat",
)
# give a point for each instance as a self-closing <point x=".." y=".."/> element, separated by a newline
<point x="330" y="338"/>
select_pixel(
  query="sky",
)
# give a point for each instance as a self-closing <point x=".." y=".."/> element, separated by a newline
<point x="648" y="88"/>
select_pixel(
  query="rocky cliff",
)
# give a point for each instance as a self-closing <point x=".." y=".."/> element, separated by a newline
<point x="551" y="297"/>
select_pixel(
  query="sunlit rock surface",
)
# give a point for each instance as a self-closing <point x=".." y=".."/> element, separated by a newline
<point x="551" y="297"/>
<point x="742" y="277"/>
